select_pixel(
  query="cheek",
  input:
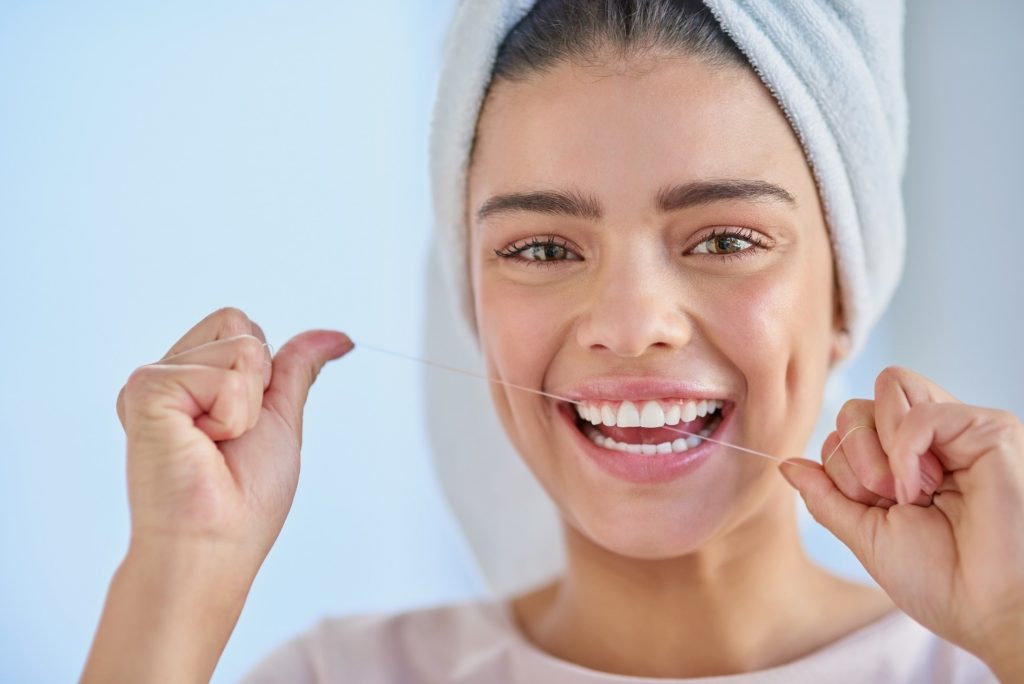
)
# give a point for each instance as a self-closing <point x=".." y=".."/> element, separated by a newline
<point x="520" y="324"/>
<point x="519" y="328"/>
<point x="774" y="329"/>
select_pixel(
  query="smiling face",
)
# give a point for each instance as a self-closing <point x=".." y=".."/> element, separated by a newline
<point x="643" y="238"/>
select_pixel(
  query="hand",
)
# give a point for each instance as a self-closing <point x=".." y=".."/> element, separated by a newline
<point x="929" y="496"/>
<point x="214" y="431"/>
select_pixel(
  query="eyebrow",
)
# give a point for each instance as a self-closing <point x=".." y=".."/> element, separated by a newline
<point x="669" y="198"/>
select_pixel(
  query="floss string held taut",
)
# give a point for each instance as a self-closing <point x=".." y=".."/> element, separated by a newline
<point x="462" y="371"/>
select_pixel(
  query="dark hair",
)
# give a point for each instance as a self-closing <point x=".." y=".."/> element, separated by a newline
<point x="554" y="31"/>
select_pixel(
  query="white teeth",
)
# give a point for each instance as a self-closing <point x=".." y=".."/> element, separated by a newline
<point x="647" y="414"/>
<point x="652" y="416"/>
<point x="677" y="446"/>
<point x="628" y="416"/>
<point x="693" y="441"/>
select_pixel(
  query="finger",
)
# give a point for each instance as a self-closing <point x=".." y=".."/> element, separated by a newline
<point x="225" y="322"/>
<point x="214" y="399"/>
<point x="258" y="332"/>
<point x="852" y="522"/>
<point x="871" y="468"/>
<point x="244" y="353"/>
<point x="959" y="435"/>
<point x="232" y="352"/>
<point x="896" y="391"/>
<point x="296" y="366"/>
<point x="839" y="470"/>
<point x="864" y="454"/>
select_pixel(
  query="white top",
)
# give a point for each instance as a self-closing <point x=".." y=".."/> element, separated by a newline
<point x="478" y="642"/>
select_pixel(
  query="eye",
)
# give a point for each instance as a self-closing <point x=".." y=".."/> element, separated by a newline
<point x="539" y="250"/>
<point x="729" y="241"/>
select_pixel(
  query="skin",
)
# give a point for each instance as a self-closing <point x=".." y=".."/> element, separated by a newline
<point x="704" y="575"/>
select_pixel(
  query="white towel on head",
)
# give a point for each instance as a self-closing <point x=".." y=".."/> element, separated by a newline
<point x="836" y="68"/>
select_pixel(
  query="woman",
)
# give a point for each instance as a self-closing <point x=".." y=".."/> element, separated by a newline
<point x="644" y="231"/>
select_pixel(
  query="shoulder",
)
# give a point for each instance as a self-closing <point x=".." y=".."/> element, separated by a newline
<point x="423" y="644"/>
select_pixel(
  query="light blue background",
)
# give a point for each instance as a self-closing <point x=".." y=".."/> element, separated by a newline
<point x="160" y="160"/>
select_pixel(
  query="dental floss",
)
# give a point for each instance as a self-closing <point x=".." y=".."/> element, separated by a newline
<point x="471" y="374"/>
<point x="464" y="372"/>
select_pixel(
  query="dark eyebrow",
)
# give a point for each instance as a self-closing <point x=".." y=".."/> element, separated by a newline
<point x="704" y="192"/>
<point x="669" y="198"/>
<point x="565" y="203"/>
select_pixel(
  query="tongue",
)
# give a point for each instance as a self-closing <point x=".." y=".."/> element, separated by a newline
<point x="639" y="435"/>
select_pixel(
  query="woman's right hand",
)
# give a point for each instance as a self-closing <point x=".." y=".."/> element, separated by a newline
<point x="213" y="433"/>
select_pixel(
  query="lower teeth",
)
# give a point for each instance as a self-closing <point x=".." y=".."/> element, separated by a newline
<point x="676" y="446"/>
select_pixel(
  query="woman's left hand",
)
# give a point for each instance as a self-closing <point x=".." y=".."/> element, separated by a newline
<point x="929" y="495"/>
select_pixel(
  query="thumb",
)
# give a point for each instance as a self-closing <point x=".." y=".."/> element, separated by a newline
<point x="845" y="518"/>
<point x="297" y="365"/>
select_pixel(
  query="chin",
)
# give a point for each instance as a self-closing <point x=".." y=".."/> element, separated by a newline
<point x="637" y="527"/>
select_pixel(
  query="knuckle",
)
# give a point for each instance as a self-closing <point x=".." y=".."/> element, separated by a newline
<point x="890" y="375"/>
<point x="250" y="348"/>
<point x="850" y="412"/>
<point x="1006" y="431"/>
<point x="237" y="424"/>
<point x="258" y="331"/>
<point x="234" y="385"/>
<point x="138" y="382"/>
<point x="232" y="320"/>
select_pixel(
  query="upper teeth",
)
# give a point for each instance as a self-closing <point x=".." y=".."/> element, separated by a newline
<point x="650" y="414"/>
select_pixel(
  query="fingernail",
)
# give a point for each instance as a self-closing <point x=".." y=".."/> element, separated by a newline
<point x="928" y="484"/>
<point x="901" y="492"/>
<point x="786" y="475"/>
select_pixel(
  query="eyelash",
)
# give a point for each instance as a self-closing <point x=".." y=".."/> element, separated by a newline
<point x="756" y="240"/>
<point x="514" y="250"/>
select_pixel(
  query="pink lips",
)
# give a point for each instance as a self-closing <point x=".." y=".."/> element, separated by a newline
<point x="634" y="388"/>
<point x="640" y="468"/>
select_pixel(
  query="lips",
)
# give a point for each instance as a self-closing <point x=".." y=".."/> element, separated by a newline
<point x="647" y="464"/>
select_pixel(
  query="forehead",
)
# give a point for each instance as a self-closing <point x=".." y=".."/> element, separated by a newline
<point x="619" y="130"/>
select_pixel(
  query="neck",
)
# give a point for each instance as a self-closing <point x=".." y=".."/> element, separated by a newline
<point x="744" y="601"/>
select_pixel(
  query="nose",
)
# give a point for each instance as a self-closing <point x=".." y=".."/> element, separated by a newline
<point x="634" y="308"/>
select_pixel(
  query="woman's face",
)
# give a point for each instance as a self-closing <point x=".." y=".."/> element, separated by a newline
<point x="661" y="243"/>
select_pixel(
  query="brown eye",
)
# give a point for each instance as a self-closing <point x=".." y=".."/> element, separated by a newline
<point x="539" y="250"/>
<point x="545" y="252"/>
<point x="726" y="242"/>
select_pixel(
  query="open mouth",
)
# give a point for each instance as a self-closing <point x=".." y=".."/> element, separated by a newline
<point x="650" y="427"/>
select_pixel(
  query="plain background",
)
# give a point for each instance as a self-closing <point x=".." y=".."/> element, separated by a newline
<point x="158" y="161"/>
